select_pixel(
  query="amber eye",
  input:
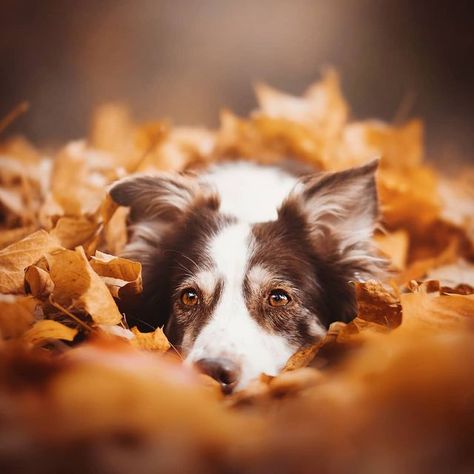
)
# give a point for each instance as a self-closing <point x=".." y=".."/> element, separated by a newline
<point x="278" y="298"/>
<point x="189" y="297"/>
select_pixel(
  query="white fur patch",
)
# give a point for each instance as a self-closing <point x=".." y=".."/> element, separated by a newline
<point x="231" y="331"/>
<point x="250" y="192"/>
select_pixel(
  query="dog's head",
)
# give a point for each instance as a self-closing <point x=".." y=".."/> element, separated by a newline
<point x="239" y="299"/>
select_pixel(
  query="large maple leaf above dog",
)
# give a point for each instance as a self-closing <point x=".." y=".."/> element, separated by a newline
<point x="71" y="318"/>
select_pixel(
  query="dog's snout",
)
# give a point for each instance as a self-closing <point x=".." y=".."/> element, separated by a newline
<point x="224" y="370"/>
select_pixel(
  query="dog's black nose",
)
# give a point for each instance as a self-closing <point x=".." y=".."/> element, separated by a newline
<point x="221" y="369"/>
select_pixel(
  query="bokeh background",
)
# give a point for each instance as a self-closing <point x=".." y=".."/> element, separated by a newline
<point x="187" y="59"/>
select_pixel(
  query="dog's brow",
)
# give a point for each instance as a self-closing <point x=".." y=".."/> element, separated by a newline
<point x="258" y="275"/>
<point x="207" y="281"/>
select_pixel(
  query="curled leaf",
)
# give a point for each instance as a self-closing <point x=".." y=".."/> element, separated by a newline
<point x="16" y="257"/>
<point x="122" y="276"/>
<point x="150" y="341"/>
<point x="46" y="330"/>
<point x="38" y="282"/>
<point x="16" y="315"/>
<point x="77" y="285"/>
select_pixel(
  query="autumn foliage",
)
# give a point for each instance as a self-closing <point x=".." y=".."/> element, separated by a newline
<point x="81" y="391"/>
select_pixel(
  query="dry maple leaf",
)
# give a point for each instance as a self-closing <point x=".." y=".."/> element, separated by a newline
<point x="74" y="231"/>
<point x="122" y="276"/>
<point x="38" y="282"/>
<point x="150" y="341"/>
<point x="15" y="258"/>
<point x="16" y="315"/>
<point x="46" y="330"/>
<point x="77" y="285"/>
<point x="432" y="310"/>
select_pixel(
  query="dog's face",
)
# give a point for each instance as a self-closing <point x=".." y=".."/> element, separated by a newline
<point x="238" y="298"/>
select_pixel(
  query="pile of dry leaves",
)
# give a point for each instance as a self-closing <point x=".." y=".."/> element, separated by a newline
<point x="81" y="391"/>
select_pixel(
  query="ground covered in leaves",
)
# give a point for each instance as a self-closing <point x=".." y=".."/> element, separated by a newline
<point x="81" y="391"/>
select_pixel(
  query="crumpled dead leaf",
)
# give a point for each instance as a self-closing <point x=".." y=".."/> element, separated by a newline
<point x="427" y="308"/>
<point x="377" y="304"/>
<point x="74" y="231"/>
<point x="47" y="330"/>
<point x="150" y="341"/>
<point x="361" y="372"/>
<point x="16" y="315"/>
<point x="76" y="285"/>
<point x="16" y="257"/>
<point x="38" y="281"/>
<point x="122" y="276"/>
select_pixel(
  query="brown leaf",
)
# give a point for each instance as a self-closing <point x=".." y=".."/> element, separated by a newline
<point x="150" y="341"/>
<point x="435" y="311"/>
<point x="378" y="305"/>
<point x="16" y="315"/>
<point x="302" y="358"/>
<point x="409" y="197"/>
<point x="294" y="381"/>
<point x="38" y="282"/>
<point x="77" y="285"/>
<point x="79" y="179"/>
<point x="398" y="146"/>
<point x="10" y="236"/>
<point x="74" y="231"/>
<point x="395" y="246"/>
<point x="122" y="276"/>
<point x="322" y="107"/>
<point x="115" y="231"/>
<point x="16" y="257"/>
<point x="45" y="330"/>
<point x="112" y="130"/>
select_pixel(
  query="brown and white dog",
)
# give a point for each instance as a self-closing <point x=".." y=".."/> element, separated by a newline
<point x="244" y="264"/>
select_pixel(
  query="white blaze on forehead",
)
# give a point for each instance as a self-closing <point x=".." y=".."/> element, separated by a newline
<point x="240" y="186"/>
<point x="231" y="331"/>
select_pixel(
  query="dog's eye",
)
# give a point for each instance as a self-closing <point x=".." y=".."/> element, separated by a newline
<point x="189" y="297"/>
<point x="278" y="298"/>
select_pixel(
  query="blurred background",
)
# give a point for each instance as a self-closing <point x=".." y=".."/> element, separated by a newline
<point x="187" y="59"/>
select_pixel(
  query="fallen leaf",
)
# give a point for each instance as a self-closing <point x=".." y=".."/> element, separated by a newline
<point x="302" y="358"/>
<point x="38" y="282"/>
<point x="77" y="285"/>
<point x="394" y="245"/>
<point x="74" y="231"/>
<point x="123" y="276"/>
<point x="16" y="315"/>
<point x="377" y="304"/>
<point x="150" y="341"/>
<point x="46" y="330"/>
<point x="10" y="236"/>
<point x="435" y="311"/>
<point x="19" y="255"/>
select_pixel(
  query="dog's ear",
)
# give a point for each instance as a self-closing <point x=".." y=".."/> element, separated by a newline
<point x="163" y="197"/>
<point x="341" y="210"/>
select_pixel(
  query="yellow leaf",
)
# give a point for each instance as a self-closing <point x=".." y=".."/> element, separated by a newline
<point x="74" y="231"/>
<point x="16" y="315"/>
<point x="46" y="330"/>
<point x="436" y="311"/>
<point x="125" y="276"/>
<point x="16" y="257"/>
<point x="375" y="304"/>
<point x="77" y="285"/>
<point x="150" y="341"/>
<point x="395" y="246"/>
<point x="38" y="282"/>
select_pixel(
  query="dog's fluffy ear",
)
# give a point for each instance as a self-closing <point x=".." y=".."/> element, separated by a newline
<point x="341" y="210"/>
<point x="163" y="197"/>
